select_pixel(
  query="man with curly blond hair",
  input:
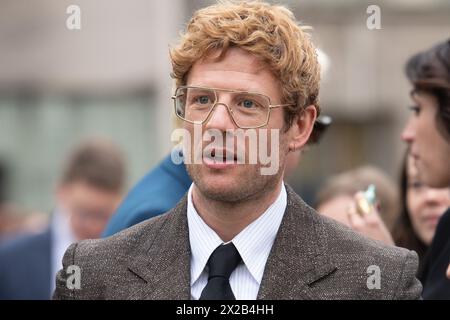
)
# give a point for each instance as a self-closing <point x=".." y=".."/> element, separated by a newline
<point x="246" y="75"/>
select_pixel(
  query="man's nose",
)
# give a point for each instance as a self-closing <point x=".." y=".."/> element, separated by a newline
<point x="220" y="118"/>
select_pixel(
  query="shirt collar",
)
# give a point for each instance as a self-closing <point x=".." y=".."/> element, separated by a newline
<point x="253" y="243"/>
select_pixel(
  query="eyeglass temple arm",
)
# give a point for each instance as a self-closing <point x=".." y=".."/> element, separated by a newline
<point x="280" y="105"/>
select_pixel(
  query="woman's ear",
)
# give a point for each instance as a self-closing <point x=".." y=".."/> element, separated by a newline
<point x="302" y="127"/>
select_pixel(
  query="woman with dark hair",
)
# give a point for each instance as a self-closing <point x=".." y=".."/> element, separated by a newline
<point x="428" y="135"/>
<point x="421" y="208"/>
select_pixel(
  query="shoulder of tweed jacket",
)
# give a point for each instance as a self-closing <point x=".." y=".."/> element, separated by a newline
<point x="312" y="257"/>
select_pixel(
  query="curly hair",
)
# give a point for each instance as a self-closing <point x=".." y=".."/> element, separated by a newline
<point x="270" y="32"/>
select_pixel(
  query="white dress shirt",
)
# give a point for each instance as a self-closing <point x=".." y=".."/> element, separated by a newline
<point x="61" y="238"/>
<point x="253" y="243"/>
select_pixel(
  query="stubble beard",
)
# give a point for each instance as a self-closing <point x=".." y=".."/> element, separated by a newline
<point x="250" y="186"/>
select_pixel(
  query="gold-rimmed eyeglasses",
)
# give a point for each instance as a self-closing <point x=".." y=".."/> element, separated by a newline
<point x="248" y="110"/>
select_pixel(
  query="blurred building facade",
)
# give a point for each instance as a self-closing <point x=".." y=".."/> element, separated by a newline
<point x="111" y="78"/>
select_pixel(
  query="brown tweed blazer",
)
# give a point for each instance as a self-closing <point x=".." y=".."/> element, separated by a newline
<point x="312" y="257"/>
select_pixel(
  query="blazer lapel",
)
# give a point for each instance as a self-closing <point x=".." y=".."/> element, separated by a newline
<point x="299" y="257"/>
<point x="163" y="261"/>
<point x="299" y="254"/>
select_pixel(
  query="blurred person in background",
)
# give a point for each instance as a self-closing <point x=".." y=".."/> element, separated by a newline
<point x="336" y="198"/>
<point x="428" y="135"/>
<point x="89" y="191"/>
<point x="421" y="209"/>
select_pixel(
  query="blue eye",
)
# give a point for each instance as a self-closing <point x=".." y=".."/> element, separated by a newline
<point x="248" y="104"/>
<point x="203" y="100"/>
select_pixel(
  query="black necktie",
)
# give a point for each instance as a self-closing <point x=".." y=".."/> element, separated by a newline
<point x="221" y="263"/>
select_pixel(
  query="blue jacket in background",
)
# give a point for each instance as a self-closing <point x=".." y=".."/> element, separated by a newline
<point x="158" y="192"/>
<point x="25" y="264"/>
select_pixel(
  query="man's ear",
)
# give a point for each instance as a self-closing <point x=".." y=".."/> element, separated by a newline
<point x="302" y="128"/>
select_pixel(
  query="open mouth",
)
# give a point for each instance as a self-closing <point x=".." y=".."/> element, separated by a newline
<point x="224" y="156"/>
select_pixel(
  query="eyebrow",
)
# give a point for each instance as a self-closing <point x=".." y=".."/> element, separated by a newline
<point x="248" y="89"/>
<point x="415" y="95"/>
